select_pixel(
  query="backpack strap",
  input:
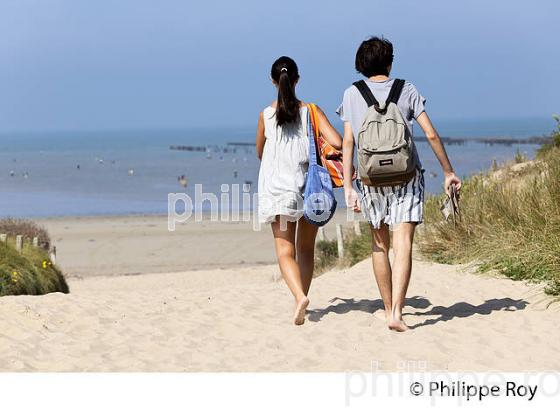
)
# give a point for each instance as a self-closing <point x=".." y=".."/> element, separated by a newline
<point x="366" y="93"/>
<point x="395" y="93"/>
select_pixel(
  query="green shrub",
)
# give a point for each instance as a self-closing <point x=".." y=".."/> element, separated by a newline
<point x="28" y="273"/>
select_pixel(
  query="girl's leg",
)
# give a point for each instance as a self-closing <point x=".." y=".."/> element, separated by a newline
<point x="381" y="266"/>
<point x="402" y="265"/>
<point x="284" y="242"/>
<point x="305" y="245"/>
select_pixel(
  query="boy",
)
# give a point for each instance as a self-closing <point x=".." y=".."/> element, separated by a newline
<point x="399" y="207"/>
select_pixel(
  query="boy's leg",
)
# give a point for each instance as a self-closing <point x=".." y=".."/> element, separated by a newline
<point x="381" y="266"/>
<point x="403" y="236"/>
<point x="305" y="251"/>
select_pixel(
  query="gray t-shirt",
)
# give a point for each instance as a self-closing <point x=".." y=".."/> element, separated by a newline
<point x="353" y="108"/>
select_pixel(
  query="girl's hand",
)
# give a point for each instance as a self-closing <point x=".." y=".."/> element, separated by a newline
<point x="451" y="179"/>
<point x="352" y="199"/>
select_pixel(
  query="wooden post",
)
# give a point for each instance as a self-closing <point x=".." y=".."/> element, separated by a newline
<point x="35" y="241"/>
<point x="52" y="255"/>
<point x="3" y="237"/>
<point x="19" y="243"/>
<point x="357" y="228"/>
<point x="276" y="275"/>
<point x="339" y="241"/>
<point x="321" y="234"/>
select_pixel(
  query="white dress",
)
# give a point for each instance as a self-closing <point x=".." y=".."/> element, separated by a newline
<point x="283" y="169"/>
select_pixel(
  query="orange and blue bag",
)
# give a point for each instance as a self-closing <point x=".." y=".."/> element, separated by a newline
<point x="331" y="158"/>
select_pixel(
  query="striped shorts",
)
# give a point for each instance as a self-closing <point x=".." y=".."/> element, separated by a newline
<point x="393" y="205"/>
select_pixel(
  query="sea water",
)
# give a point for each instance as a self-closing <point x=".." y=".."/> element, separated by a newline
<point x="132" y="172"/>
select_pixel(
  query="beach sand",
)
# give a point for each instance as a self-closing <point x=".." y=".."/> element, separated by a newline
<point x="238" y="319"/>
<point x="119" y="245"/>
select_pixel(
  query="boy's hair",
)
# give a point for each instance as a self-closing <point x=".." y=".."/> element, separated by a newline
<point x="374" y="56"/>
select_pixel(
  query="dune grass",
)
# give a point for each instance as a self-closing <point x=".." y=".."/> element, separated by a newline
<point x="326" y="255"/>
<point x="31" y="271"/>
<point x="28" y="273"/>
<point x="356" y="249"/>
<point x="510" y="223"/>
<point x="555" y="138"/>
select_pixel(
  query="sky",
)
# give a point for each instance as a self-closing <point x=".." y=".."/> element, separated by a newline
<point x="170" y="64"/>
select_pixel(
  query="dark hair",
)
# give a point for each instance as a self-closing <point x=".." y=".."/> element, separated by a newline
<point x="374" y="56"/>
<point x="285" y="73"/>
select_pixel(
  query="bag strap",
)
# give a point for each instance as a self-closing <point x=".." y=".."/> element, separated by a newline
<point x="312" y="110"/>
<point x="312" y="146"/>
<point x="396" y="90"/>
<point x="314" y="121"/>
<point x="366" y="93"/>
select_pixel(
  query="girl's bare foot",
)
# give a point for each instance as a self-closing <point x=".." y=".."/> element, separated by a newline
<point x="299" y="315"/>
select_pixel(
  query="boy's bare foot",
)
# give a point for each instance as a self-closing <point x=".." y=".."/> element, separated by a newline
<point x="397" y="325"/>
<point x="299" y="315"/>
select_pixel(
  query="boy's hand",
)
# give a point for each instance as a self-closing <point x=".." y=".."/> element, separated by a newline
<point x="451" y="179"/>
<point x="352" y="199"/>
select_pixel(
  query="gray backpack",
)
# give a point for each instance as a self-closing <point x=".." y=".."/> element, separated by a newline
<point x="386" y="153"/>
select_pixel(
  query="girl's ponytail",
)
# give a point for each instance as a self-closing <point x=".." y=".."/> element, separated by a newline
<point x="284" y="72"/>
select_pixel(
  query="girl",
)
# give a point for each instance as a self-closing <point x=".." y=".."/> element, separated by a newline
<point x="283" y="148"/>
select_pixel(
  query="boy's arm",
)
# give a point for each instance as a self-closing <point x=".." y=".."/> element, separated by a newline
<point x="351" y="196"/>
<point x="438" y="148"/>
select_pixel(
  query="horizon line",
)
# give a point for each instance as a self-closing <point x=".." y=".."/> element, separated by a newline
<point x="238" y="127"/>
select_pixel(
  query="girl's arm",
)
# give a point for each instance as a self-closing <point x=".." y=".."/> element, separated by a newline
<point x="260" y="136"/>
<point x="438" y="148"/>
<point x="351" y="196"/>
<point x="327" y="130"/>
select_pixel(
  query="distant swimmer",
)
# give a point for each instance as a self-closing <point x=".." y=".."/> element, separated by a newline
<point x="247" y="185"/>
<point x="78" y="166"/>
<point x="235" y="173"/>
<point x="433" y="174"/>
<point x="12" y="173"/>
<point x="183" y="180"/>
